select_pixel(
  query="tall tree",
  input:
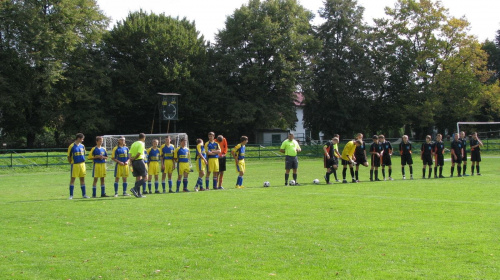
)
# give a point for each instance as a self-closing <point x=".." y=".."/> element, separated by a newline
<point x="152" y="53"/>
<point x="493" y="51"/>
<point x="262" y="58"/>
<point x="343" y="74"/>
<point x="37" y="38"/>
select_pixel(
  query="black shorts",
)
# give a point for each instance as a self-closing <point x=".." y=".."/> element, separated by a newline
<point x="465" y="156"/>
<point x="475" y="156"/>
<point x="139" y="168"/>
<point x="329" y="163"/>
<point x="440" y="160"/>
<point x="360" y="159"/>
<point x="386" y="161"/>
<point x="222" y="164"/>
<point x="345" y="162"/>
<point x="406" y="159"/>
<point x="459" y="160"/>
<point x="375" y="161"/>
<point x="291" y="162"/>
<point x="427" y="159"/>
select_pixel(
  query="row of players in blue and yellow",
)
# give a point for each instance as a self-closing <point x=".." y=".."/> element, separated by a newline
<point x="166" y="158"/>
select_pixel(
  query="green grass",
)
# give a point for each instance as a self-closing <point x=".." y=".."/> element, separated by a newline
<point x="419" y="229"/>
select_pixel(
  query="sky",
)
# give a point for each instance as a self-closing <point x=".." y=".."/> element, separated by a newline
<point x="210" y="15"/>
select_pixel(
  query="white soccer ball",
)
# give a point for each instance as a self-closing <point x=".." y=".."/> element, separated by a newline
<point x="316" y="181"/>
<point x="266" y="184"/>
<point x="291" y="182"/>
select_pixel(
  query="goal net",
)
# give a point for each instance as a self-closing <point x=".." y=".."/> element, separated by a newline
<point x="110" y="141"/>
<point x="493" y="131"/>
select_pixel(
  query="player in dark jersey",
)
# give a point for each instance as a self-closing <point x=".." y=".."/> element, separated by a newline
<point x="331" y="159"/>
<point x="426" y="155"/>
<point x="386" y="155"/>
<point x="439" y="156"/>
<point x="375" y="151"/>
<point x="464" y="157"/>
<point x="360" y="155"/>
<point x="405" y="152"/>
<point x="475" y="153"/>
<point x="457" y="152"/>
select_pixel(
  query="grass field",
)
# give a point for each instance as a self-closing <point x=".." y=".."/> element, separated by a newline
<point x="413" y="229"/>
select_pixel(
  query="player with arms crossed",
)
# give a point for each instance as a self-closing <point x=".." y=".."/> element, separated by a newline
<point x="154" y="157"/>
<point x="98" y="155"/>
<point x="376" y="152"/>
<point x="238" y="153"/>
<point x="405" y="152"/>
<point x="386" y="156"/>
<point x="457" y="154"/>
<point x="121" y="156"/>
<point x="222" y="159"/>
<point x="331" y="159"/>
<point x="76" y="157"/>
<point x="426" y="155"/>
<point x="360" y="155"/>
<point x="201" y="164"/>
<point x="167" y="163"/>
<point x="475" y="153"/>
<point x="181" y="156"/>
<point x="213" y="150"/>
<point x="439" y="156"/>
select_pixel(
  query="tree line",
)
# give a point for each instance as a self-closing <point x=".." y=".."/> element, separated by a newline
<point x="413" y="70"/>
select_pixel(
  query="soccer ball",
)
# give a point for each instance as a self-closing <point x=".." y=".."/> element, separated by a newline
<point x="291" y="182"/>
<point x="316" y="181"/>
<point x="266" y="184"/>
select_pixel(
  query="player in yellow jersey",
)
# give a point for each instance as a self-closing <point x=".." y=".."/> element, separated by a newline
<point x="201" y="164"/>
<point x="167" y="163"/>
<point x="153" y="165"/>
<point x="121" y="155"/>
<point x="238" y="154"/>
<point x="98" y="155"/>
<point x="76" y="157"/>
<point x="181" y="157"/>
<point x="212" y="149"/>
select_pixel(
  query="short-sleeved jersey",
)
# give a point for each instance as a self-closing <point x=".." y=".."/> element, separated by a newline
<point x="426" y="148"/>
<point x="387" y="147"/>
<point x="472" y="143"/>
<point x="96" y="151"/>
<point x="121" y="153"/>
<point x="181" y="154"/>
<point x="348" y="150"/>
<point x="239" y="151"/>
<point x="167" y="152"/>
<point x="76" y="153"/>
<point x="146" y="156"/>
<point x="138" y="147"/>
<point x="330" y="149"/>
<point x="223" y="147"/>
<point x="153" y="154"/>
<point x="361" y="149"/>
<point x="405" y="148"/>
<point x="200" y="151"/>
<point x="464" y="143"/>
<point x="290" y="147"/>
<point x="457" y="147"/>
<point x="376" y="148"/>
<point x="212" y="146"/>
<point x="438" y="148"/>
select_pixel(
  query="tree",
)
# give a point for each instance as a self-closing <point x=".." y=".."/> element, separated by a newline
<point x="493" y="51"/>
<point x="343" y="74"/>
<point x="152" y="53"/>
<point x="262" y="57"/>
<point x="37" y="38"/>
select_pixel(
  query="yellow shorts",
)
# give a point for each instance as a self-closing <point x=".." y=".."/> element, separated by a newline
<point x="169" y="166"/>
<point x="240" y="167"/>
<point x="200" y="165"/>
<point x="154" y="168"/>
<point x="183" y="167"/>
<point x="78" y="170"/>
<point x="121" y="171"/>
<point x="99" y="170"/>
<point x="213" y="165"/>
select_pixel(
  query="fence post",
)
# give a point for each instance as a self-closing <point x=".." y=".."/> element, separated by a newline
<point x="11" y="159"/>
<point x="47" y="161"/>
<point x="259" y="151"/>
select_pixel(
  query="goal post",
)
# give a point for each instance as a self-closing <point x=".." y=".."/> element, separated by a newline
<point x="474" y="123"/>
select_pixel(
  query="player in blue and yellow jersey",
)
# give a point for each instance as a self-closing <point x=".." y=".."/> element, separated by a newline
<point x="386" y="155"/>
<point x="181" y="156"/>
<point x="376" y="154"/>
<point x="475" y="153"/>
<point x="222" y="159"/>
<point x="76" y="157"/>
<point x="154" y="165"/>
<point x="457" y="154"/>
<point x="405" y="152"/>
<point x="201" y="164"/>
<point x="99" y="155"/>
<point x="464" y="156"/>
<point x="121" y="155"/>
<point x="438" y="156"/>
<point x="426" y="155"/>
<point x="167" y="163"/>
<point x="146" y="164"/>
<point x="212" y="149"/>
<point x="238" y="153"/>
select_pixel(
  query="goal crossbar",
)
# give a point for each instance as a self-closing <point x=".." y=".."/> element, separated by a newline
<point x="480" y="123"/>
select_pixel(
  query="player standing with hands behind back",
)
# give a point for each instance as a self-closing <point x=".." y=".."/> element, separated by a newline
<point x="475" y="153"/>
<point x="76" y="157"/>
<point x="238" y="154"/>
<point x="290" y="147"/>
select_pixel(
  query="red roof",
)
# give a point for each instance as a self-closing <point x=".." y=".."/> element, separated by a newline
<point x="299" y="99"/>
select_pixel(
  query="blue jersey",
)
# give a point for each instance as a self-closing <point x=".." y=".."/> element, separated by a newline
<point x="153" y="154"/>
<point x="200" y="150"/>
<point x="98" y="152"/>
<point x="146" y="156"/>
<point x="167" y="152"/>
<point x="182" y="154"/>
<point x="121" y="153"/>
<point x="239" y="151"/>
<point x="76" y="153"/>
<point x="210" y="147"/>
